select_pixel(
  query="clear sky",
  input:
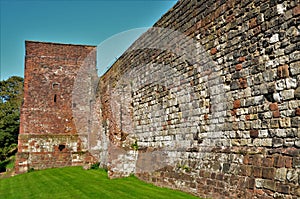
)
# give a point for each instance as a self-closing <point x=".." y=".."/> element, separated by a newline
<point x="108" y="24"/>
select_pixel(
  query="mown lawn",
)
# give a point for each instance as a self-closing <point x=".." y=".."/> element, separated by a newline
<point x="76" y="183"/>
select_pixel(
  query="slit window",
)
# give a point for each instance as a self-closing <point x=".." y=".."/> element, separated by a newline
<point x="54" y="98"/>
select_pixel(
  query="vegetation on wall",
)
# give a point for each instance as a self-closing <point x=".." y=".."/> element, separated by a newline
<point x="11" y="94"/>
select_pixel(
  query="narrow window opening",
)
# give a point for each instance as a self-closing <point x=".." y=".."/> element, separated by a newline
<point x="61" y="147"/>
<point x="54" y="98"/>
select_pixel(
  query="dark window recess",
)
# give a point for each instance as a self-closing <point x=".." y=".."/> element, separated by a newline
<point x="61" y="147"/>
<point x="54" y="98"/>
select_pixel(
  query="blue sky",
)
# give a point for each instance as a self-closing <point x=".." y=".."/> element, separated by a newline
<point x="110" y="25"/>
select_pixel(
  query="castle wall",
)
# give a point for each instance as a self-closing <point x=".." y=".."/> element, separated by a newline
<point x="55" y="115"/>
<point x="207" y="101"/>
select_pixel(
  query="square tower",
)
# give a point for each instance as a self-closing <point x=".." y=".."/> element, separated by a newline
<point x="58" y="89"/>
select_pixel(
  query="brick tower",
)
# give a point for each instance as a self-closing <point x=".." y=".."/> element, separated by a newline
<point x="49" y="134"/>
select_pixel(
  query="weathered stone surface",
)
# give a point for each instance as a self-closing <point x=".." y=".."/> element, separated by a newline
<point x="292" y="176"/>
<point x="281" y="174"/>
<point x="206" y="102"/>
<point x="283" y="71"/>
<point x="297" y="93"/>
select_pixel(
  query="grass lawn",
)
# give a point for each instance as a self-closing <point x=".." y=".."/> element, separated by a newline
<point x="74" y="182"/>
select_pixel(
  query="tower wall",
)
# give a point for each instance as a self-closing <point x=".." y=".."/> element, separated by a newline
<point x="52" y="109"/>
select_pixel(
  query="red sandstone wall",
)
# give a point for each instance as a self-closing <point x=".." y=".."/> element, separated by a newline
<point x="55" y="74"/>
<point x="209" y="100"/>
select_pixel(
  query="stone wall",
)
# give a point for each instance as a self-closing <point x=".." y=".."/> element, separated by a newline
<point x="207" y="101"/>
<point x="56" y="112"/>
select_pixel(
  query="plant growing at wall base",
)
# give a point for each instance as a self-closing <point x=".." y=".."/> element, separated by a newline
<point x="95" y="165"/>
<point x="135" y="146"/>
<point x="30" y="170"/>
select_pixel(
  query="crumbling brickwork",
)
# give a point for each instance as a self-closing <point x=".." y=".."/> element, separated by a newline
<point x="207" y="101"/>
<point x="49" y="132"/>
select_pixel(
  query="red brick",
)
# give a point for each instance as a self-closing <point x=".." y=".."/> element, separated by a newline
<point x="245" y="170"/>
<point x="298" y="111"/>
<point x="213" y="51"/>
<point x="268" y="162"/>
<point x="253" y="133"/>
<point x="291" y="152"/>
<point x="268" y="173"/>
<point x="206" y="116"/>
<point x="246" y="159"/>
<point x="282" y="188"/>
<point x="257" y="160"/>
<point x="276" y="114"/>
<point x="296" y="10"/>
<point x="288" y="162"/>
<point x="256" y="30"/>
<point x="283" y="71"/>
<point x="237" y="103"/>
<point x="252" y="23"/>
<point x="242" y="59"/>
<point x="259" y="192"/>
<point x="233" y="112"/>
<point x="279" y="161"/>
<point x="273" y="106"/>
<point x="230" y="18"/>
<point x="250" y="183"/>
<point x="247" y="117"/>
<point x="243" y="83"/>
<point x="238" y="67"/>
<point x="257" y="172"/>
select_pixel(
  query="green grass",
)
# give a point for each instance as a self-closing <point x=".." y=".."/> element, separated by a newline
<point x="11" y="163"/>
<point x="74" y="183"/>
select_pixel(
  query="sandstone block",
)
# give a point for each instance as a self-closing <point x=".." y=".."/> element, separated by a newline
<point x="295" y="122"/>
<point x="281" y="174"/>
<point x="285" y="122"/>
<point x="282" y="188"/>
<point x="296" y="10"/>
<point x="283" y="71"/>
<point x="297" y="93"/>
<point x="213" y="51"/>
<point x="274" y="38"/>
<point x="292" y="175"/>
<point x="287" y="94"/>
<point x="291" y="83"/>
<point x="254" y="133"/>
<point x="269" y="184"/>
<point x="268" y="173"/>
<point x="273" y="106"/>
